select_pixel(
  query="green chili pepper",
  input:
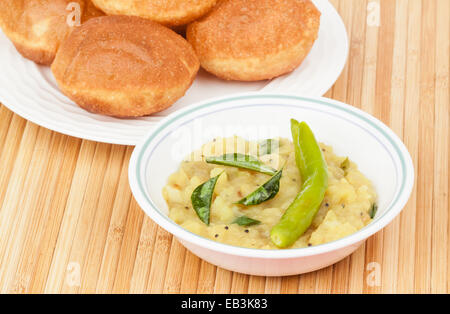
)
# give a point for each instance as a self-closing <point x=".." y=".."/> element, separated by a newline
<point x="265" y="192"/>
<point x="267" y="147"/>
<point x="373" y="211"/>
<point x="313" y="169"/>
<point x="345" y="165"/>
<point x="241" y="161"/>
<point x="245" y="221"/>
<point x="201" y="199"/>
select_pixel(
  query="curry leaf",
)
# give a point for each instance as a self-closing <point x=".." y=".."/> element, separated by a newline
<point x="265" y="192"/>
<point x="267" y="147"/>
<point x="201" y="199"/>
<point x="373" y="211"/>
<point x="345" y="165"/>
<point x="246" y="221"/>
<point x="241" y="161"/>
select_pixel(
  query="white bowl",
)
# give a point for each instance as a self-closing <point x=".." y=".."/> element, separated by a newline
<point x="377" y="151"/>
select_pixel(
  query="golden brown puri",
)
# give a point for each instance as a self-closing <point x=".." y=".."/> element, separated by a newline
<point x="124" y="66"/>
<point x="91" y="11"/>
<point x="252" y="40"/>
<point x="167" y="12"/>
<point x="38" y="27"/>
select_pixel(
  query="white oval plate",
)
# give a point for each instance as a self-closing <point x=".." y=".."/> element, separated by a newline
<point x="31" y="91"/>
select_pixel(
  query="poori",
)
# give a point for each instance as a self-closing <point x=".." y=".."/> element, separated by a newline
<point x="38" y="27"/>
<point x="167" y="12"/>
<point x="124" y="66"/>
<point x="251" y="40"/>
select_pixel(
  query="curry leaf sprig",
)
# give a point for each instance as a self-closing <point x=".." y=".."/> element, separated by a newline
<point x="201" y="198"/>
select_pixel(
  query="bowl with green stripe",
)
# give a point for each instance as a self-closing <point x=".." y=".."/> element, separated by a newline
<point x="377" y="150"/>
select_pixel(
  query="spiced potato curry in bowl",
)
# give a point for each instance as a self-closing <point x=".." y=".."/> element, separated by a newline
<point x="247" y="204"/>
<point x="271" y="184"/>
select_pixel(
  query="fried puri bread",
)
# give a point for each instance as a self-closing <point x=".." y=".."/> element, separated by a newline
<point x="167" y="12"/>
<point x="91" y="11"/>
<point x="124" y="66"/>
<point x="252" y="40"/>
<point x="38" y="27"/>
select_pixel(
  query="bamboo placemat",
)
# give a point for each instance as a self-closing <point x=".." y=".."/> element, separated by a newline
<point x="69" y="224"/>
